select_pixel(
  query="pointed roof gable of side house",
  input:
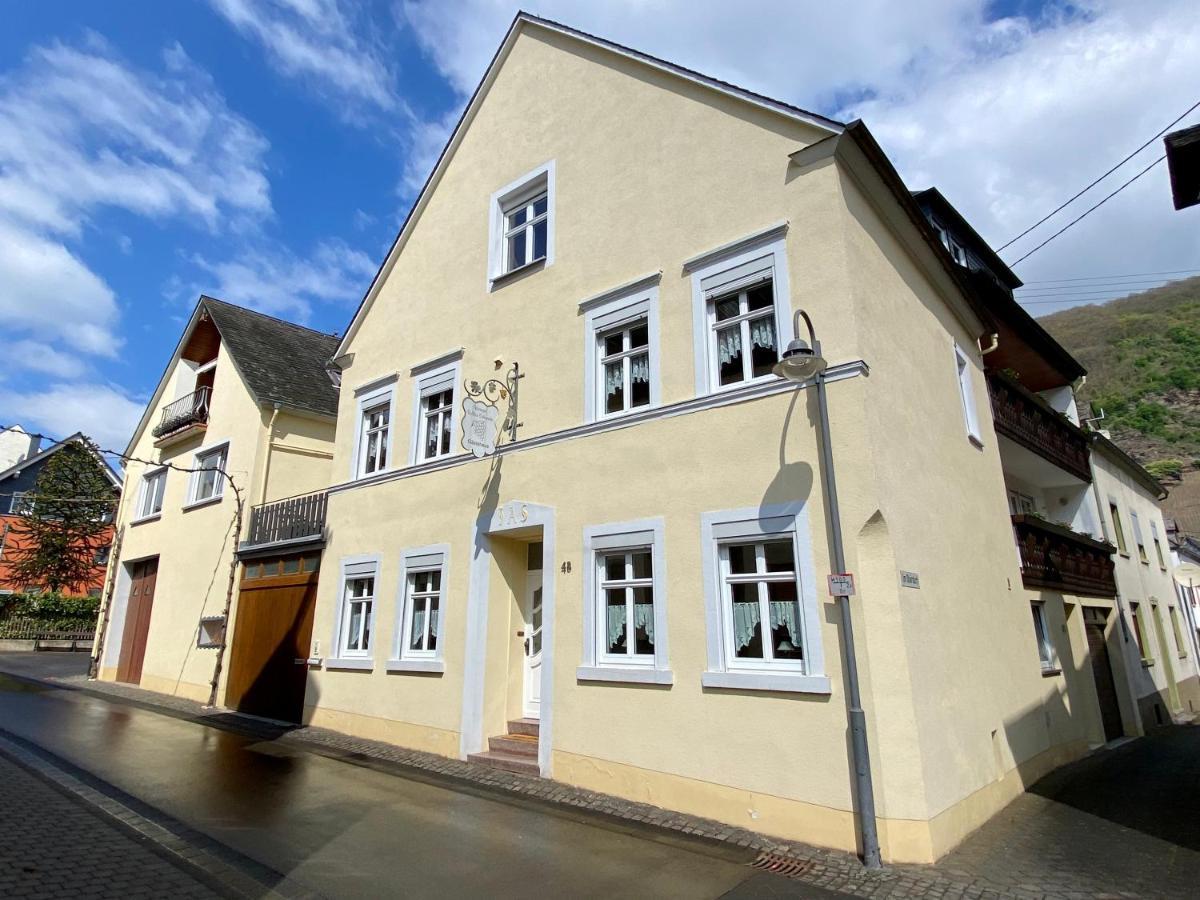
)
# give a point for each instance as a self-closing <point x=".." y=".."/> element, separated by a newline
<point x="279" y="362"/>
<point x="38" y="459"/>
<point x="909" y="215"/>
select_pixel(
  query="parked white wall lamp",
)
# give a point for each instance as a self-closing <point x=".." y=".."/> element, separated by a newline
<point x="802" y="363"/>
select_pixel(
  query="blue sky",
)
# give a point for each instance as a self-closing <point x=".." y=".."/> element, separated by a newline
<point x="265" y="151"/>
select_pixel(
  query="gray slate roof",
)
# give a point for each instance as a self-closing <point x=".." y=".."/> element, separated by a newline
<point x="280" y="362"/>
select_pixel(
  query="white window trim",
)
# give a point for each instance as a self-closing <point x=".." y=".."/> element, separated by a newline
<point x="422" y="559"/>
<point x="150" y="473"/>
<point x="757" y="523"/>
<point x="1138" y="537"/>
<point x="194" y="477"/>
<point x="617" y="536"/>
<point x="368" y="396"/>
<point x="354" y="659"/>
<point x="529" y="183"/>
<point x="638" y="299"/>
<point x="769" y="241"/>
<point x="425" y="377"/>
<point x="966" y="392"/>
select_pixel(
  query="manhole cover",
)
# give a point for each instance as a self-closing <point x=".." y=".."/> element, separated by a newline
<point x="781" y="865"/>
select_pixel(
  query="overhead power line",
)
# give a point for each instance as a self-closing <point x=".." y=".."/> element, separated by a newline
<point x="1112" y="277"/>
<point x="1075" y="197"/>
<point x="1089" y="211"/>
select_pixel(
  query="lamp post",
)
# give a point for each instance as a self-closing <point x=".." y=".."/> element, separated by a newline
<point x="801" y="363"/>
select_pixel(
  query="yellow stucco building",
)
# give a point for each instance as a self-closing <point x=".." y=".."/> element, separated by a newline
<point x="576" y="526"/>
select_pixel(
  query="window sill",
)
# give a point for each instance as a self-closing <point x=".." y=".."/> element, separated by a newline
<point x="1183" y="656"/>
<point x="207" y="501"/>
<point x="144" y="519"/>
<point x="1050" y="671"/>
<point x="626" y="675"/>
<point x="976" y="440"/>
<point x="513" y="274"/>
<point x="428" y="666"/>
<point x="1147" y="663"/>
<point x="767" y="681"/>
<point x="351" y="664"/>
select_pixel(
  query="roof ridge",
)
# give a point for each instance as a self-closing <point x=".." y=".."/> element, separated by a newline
<point x="207" y="298"/>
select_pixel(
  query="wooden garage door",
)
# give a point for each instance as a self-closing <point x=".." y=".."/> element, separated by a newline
<point x="137" y="620"/>
<point x="273" y="631"/>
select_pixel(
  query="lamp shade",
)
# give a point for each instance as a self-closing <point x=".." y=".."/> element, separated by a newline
<point x="800" y="363"/>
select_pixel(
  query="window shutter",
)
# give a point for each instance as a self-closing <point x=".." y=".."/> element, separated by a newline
<point x="441" y="381"/>
<point x="631" y="312"/>
<point x="423" y="561"/>
<point x="1137" y="527"/>
<point x="623" y="541"/>
<point x="739" y="277"/>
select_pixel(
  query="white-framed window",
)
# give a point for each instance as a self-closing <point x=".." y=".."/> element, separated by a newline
<point x="957" y="252"/>
<point x="621" y="350"/>
<point x="19" y="505"/>
<point x="1041" y="632"/>
<point x="421" y="610"/>
<point x="1114" y="513"/>
<point x="1137" y="536"/>
<point x="740" y="310"/>
<point x="375" y="417"/>
<point x="1158" y="550"/>
<point x="150" y="500"/>
<point x="761" y="608"/>
<point x="1020" y="504"/>
<point x="435" y="408"/>
<point x="355" y="620"/>
<point x="521" y="224"/>
<point x="966" y="394"/>
<point x="1177" y="632"/>
<point x="207" y="483"/>
<point x="624" y="583"/>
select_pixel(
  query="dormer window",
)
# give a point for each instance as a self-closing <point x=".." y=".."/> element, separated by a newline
<point x="958" y="253"/>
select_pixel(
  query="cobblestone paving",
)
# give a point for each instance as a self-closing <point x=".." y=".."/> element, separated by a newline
<point x="1053" y="847"/>
<point x="52" y="845"/>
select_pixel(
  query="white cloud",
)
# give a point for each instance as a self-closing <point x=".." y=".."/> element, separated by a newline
<point x="276" y="281"/>
<point x="36" y="356"/>
<point x="101" y="411"/>
<point x="81" y="131"/>
<point x="47" y="292"/>
<point x="324" y="42"/>
<point x="1007" y="117"/>
<point x="427" y="138"/>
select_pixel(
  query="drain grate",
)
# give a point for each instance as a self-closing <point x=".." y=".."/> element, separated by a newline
<point x="780" y="865"/>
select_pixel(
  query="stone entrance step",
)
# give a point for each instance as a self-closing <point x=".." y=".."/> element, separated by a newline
<point x="516" y="751"/>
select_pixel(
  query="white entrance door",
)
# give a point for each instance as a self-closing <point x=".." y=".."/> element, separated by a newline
<point x="533" y="644"/>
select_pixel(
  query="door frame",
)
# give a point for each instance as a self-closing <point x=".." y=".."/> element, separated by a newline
<point x="122" y="647"/>
<point x="513" y="519"/>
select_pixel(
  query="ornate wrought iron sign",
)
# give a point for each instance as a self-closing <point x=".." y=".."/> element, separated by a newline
<point x="482" y="421"/>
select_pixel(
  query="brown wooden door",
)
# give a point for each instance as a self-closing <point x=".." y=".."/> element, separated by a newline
<point x="273" y="631"/>
<point x="137" y="621"/>
<point x="1106" y="688"/>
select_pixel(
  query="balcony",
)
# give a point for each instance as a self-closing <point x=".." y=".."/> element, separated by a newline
<point x="1055" y="558"/>
<point x="295" y="520"/>
<point x="185" y="415"/>
<point x="1026" y="419"/>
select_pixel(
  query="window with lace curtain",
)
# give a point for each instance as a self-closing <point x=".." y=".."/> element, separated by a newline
<point x="762" y="606"/>
<point x="627" y="592"/>
<point x="625" y="368"/>
<point x="744" y="343"/>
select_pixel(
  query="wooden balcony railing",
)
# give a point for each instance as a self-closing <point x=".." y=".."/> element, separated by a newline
<point x="1027" y="419"/>
<point x="189" y="410"/>
<point x="293" y="519"/>
<point x="1053" y="557"/>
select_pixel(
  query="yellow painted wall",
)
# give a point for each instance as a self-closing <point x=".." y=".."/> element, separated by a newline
<point x="651" y="170"/>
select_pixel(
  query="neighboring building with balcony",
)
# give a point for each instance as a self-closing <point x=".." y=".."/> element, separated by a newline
<point x="249" y="395"/>
<point x="631" y="594"/>
<point x="1107" y="629"/>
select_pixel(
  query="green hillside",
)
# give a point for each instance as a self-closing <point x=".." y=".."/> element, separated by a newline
<point x="1142" y="354"/>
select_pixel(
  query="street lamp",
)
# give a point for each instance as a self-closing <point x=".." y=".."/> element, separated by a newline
<point x="801" y="363"/>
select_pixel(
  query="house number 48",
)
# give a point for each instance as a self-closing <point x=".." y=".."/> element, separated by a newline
<point x="565" y="568"/>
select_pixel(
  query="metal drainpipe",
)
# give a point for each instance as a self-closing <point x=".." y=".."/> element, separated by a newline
<point x="262" y="488"/>
<point x="864" y="786"/>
